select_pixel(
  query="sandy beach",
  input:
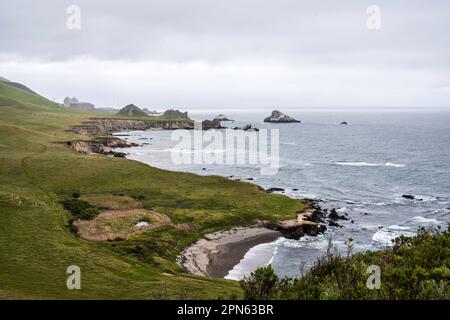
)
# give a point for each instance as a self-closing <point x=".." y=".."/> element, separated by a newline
<point x="216" y="254"/>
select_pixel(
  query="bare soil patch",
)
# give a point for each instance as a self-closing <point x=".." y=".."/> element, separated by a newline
<point x="120" y="224"/>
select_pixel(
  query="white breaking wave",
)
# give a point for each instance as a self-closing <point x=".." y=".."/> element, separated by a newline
<point x="421" y="219"/>
<point x="289" y="143"/>
<point x="357" y="164"/>
<point x="368" y="164"/>
<point x="259" y="255"/>
<point x="389" y="164"/>
<point x="384" y="237"/>
<point x="425" y="198"/>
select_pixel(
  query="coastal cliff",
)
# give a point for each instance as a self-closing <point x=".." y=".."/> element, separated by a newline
<point x="106" y="126"/>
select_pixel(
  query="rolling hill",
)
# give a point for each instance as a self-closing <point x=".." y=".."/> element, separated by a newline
<point x="39" y="172"/>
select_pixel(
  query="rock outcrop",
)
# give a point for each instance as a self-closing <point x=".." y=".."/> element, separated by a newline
<point x="211" y="124"/>
<point x="100" y="146"/>
<point x="335" y="216"/>
<point x="307" y="222"/>
<point x="175" y="114"/>
<point x="222" y="117"/>
<point x="275" y="189"/>
<point x="280" y="117"/>
<point x="131" y="111"/>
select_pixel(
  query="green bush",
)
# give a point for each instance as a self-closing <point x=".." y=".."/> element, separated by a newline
<point x="88" y="213"/>
<point x="80" y="209"/>
<point x="75" y="206"/>
<point x="415" y="268"/>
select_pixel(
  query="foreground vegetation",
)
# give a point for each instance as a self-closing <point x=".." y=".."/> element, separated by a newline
<point x="415" y="268"/>
<point x="41" y="177"/>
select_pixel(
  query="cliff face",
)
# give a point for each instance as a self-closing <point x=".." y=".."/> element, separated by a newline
<point x="105" y="126"/>
<point x="100" y="146"/>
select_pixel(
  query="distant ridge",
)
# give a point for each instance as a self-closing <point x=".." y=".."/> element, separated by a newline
<point x="21" y="94"/>
<point x="17" y="85"/>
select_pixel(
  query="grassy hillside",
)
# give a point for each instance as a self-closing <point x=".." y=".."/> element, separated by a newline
<point x="36" y="245"/>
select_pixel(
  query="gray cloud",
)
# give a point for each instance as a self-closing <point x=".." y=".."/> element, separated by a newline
<point x="248" y="53"/>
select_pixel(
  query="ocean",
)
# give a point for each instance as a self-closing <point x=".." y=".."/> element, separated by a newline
<point x="361" y="169"/>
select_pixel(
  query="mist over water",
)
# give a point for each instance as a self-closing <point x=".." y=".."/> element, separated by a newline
<point x="362" y="169"/>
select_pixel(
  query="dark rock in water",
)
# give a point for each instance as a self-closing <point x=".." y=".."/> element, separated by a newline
<point x="408" y="196"/>
<point x="222" y="117"/>
<point x="352" y="221"/>
<point x="333" y="224"/>
<point x="260" y="188"/>
<point x="270" y="190"/>
<point x="295" y="189"/>
<point x="119" y="154"/>
<point x="335" y="216"/>
<point x="249" y="179"/>
<point x="214" y="124"/>
<point x="203" y="168"/>
<point x="279" y="117"/>
<point x="344" y="123"/>
<point x="248" y="127"/>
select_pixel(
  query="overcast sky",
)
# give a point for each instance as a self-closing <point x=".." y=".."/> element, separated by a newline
<point x="195" y="54"/>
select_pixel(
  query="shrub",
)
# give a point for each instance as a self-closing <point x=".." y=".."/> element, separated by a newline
<point x="88" y="213"/>
<point x="80" y="209"/>
<point x="262" y="284"/>
<point x="415" y="268"/>
<point x="75" y="206"/>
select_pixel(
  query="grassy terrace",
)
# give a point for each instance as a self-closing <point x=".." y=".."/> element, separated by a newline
<point x="36" y="245"/>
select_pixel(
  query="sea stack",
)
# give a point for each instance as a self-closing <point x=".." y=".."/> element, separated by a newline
<point x="280" y="117"/>
<point x="222" y="117"/>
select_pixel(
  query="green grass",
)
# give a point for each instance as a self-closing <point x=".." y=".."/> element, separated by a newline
<point x="36" y="246"/>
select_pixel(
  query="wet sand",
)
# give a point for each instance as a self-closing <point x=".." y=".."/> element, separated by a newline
<point x="217" y="253"/>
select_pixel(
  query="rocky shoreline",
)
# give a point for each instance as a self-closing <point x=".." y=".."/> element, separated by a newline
<point x="103" y="128"/>
<point x="215" y="254"/>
